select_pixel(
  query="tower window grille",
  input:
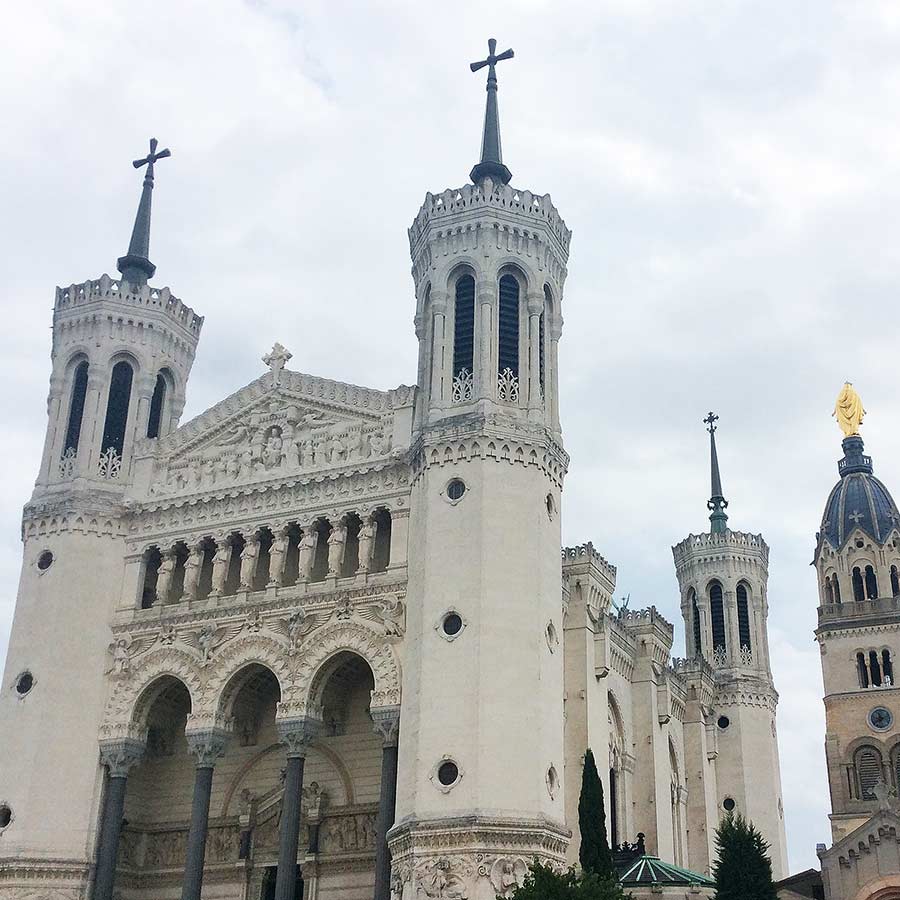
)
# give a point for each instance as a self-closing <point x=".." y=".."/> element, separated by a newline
<point x="117" y="408"/>
<point x="717" y="616"/>
<point x="895" y="582"/>
<point x="743" y="613"/>
<point x="861" y="670"/>
<point x="871" y="584"/>
<point x="867" y="762"/>
<point x="887" y="667"/>
<point x="464" y="338"/>
<point x="698" y="634"/>
<point x="156" y="406"/>
<point x="76" y="407"/>
<point x="858" y="590"/>
<point x="508" y="328"/>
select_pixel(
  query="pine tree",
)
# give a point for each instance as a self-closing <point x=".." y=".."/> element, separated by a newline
<point x="594" y="853"/>
<point x="743" y="870"/>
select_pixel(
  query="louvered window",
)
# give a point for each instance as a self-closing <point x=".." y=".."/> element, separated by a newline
<point x="862" y="670"/>
<point x="117" y="407"/>
<point x="868" y="771"/>
<point x="887" y="667"/>
<point x="874" y="668"/>
<point x="695" y="614"/>
<point x="156" y="406"/>
<point x="858" y="592"/>
<point x="76" y="407"/>
<point x="743" y="611"/>
<point x="871" y="584"/>
<point x="717" y="616"/>
<point x="508" y="326"/>
<point x="896" y="768"/>
<point x="895" y="581"/>
<point x="464" y="326"/>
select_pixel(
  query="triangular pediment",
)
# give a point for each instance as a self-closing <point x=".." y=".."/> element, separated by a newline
<point x="282" y="424"/>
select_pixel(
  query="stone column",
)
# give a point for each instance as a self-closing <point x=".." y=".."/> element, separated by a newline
<point x="307" y="552"/>
<point x="57" y="425"/>
<point x="277" y="554"/>
<point x="295" y="734"/>
<point x="387" y="724"/>
<point x="92" y="421"/>
<point x="118" y="756"/>
<point x="220" y="566"/>
<point x="366" y="543"/>
<point x="207" y="745"/>
<point x="192" y="573"/>
<point x="337" y="542"/>
<point x="144" y="392"/>
<point x="535" y="307"/>
<point x="439" y="391"/>
<point x="485" y="370"/>
<point x="249" y="561"/>
<point x="164" y="576"/>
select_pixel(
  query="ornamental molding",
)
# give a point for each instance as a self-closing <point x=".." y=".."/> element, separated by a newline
<point x="766" y="699"/>
<point x="65" y="515"/>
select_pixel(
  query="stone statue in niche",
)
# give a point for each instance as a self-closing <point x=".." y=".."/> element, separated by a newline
<point x="336" y="541"/>
<point x="220" y="567"/>
<point x="123" y="649"/>
<point x="164" y="576"/>
<point x="308" y="544"/>
<point x="508" y="874"/>
<point x="192" y="567"/>
<point x="437" y="881"/>
<point x="272" y="452"/>
<point x="249" y="557"/>
<point x="366" y="542"/>
<point x="276" y="557"/>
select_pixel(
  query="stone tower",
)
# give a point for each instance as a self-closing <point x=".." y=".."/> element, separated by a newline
<point x="121" y="355"/>
<point x="857" y="561"/>
<point x="722" y="577"/>
<point x="481" y="741"/>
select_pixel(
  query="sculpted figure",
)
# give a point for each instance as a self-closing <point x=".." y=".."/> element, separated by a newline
<point x="366" y="542"/>
<point x="320" y="449"/>
<point x="276" y="557"/>
<point x="164" y="578"/>
<point x="192" y="574"/>
<point x="391" y="614"/>
<point x="220" y="567"/>
<point x="336" y="541"/>
<point x="249" y="556"/>
<point x="848" y="410"/>
<point x="308" y="544"/>
<point x="338" y="449"/>
<point x="376" y="444"/>
<point x="353" y="443"/>
<point x="272" y="452"/>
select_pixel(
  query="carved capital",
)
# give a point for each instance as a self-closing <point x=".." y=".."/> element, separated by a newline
<point x="121" y="754"/>
<point x="535" y="303"/>
<point x="386" y="721"/>
<point x="207" y="745"/>
<point x="297" y="733"/>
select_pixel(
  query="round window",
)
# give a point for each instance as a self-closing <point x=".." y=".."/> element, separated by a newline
<point x="24" y="683"/>
<point x="455" y="489"/>
<point x="5" y="815"/>
<point x="723" y="722"/>
<point x="452" y="624"/>
<point x="881" y="719"/>
<point x="448" y="773"/>
<point x="45" y="560"/>
<point x="728" y="804"/>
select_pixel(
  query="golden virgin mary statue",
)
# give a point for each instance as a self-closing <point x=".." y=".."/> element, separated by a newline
<point x="848" y="410"/>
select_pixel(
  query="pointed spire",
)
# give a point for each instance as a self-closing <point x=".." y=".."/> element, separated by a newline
<point x="717" y="502"/>
<point x="135" y="266"/>
<point x="491" y="164"/>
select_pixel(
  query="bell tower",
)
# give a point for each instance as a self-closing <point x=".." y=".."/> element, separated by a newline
<point x="121" y="355"/>
<point x="723" y="579"/>
<point x="481" y="739"/>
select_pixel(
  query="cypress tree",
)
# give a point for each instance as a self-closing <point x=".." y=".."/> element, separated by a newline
<point x="743" y="870"/>
<point x="594" y="854"/>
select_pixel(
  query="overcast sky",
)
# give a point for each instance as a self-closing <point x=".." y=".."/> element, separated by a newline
<point x="731" y="172"/>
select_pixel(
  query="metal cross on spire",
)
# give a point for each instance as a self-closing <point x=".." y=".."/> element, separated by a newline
<point x="491" y="164"/>
<point x="717" y="502"/>
<point x="135" y="266"/>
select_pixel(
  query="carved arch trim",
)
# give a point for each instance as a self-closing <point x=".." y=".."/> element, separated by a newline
<point x="258" y="649"/>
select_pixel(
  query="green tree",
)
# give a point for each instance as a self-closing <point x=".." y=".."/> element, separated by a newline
<point x="743" y="870"/>
<point x="542" y="883"/>
<point x="593" y="854"/>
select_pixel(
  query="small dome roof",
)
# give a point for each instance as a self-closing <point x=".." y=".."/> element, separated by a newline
<point x="858" y="500"/>
<point x="648" y="869"/>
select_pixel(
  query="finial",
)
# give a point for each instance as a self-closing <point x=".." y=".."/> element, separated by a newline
<point x="717" y="503"/>
<point x="135" y="266"/>
<point x="491" y="164"/>
<point x="276" y="359"/>
<point x="848" y="410"/>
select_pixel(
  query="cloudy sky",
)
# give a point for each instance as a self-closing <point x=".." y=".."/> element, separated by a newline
<point x="731" y="172"/>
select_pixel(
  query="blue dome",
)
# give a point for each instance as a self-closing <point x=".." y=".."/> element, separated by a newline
<point x="858" y="500"/>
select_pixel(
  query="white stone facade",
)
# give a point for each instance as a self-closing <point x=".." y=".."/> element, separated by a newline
<point x="309" y="563"/>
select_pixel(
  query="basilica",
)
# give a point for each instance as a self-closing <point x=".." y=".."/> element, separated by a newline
<point x="292" y="648"/>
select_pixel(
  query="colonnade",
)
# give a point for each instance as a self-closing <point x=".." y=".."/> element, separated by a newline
<point x="207" y="746"/>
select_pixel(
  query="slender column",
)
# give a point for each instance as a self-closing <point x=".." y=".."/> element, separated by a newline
<point x="535" y="307"/>
<point x="387" y="724"/>
<point x="552" y="376"/>
<point x="118" y="757"/>
<point x="295" y="734"/>
<point x="366" y="543"/>
<point x="485" y="370"/>
<point x="221" y="562"/>
<point x="438" y="345"/>
<point x="337" y="542"/>
<point x="57" y="423"/>
<point x="164" y="577"/>
<point x="144" y="391"/>
<point x="277" y="553"/>
<point x="92" y="421"/>
<point x="207" y="745"/>
<point x="192" y="568"/>
<point x="307" y="550"/>
<point x="249" y="562"/>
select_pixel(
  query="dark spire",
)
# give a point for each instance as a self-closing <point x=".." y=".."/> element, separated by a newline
<point x="491" y="158"/>
<point x="135" y="266"/>
<point x="717" y="502"/>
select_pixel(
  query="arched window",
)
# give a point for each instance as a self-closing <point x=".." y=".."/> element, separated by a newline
<point x="867" y="762"/>
<point x="836" y="588"/>
<point x="717" y="616"/>
<point x="508" y="331"/>
<point x="887" y="668"/>
<point x="743" y="612"/>
<point x="698" y="633"/>
<point x="895" y="581"/>
<point x="895" y="767"/>
<point x="871" y="584"/>
<point x="117" y="408"/>
<point x="156" y="406"/>
<point x="613" y="807"/>
<point x="542" y="335"/>
<point x="858" y="592"/>
<point x="463" y="337"/>
<point x="861" y="670"/>
<point x="874" y="668"/>
<point x="829" y="594"/>
<point x="76" y="407"/>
